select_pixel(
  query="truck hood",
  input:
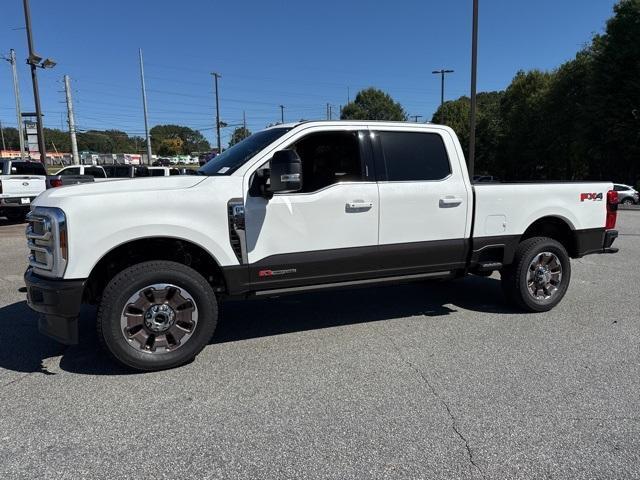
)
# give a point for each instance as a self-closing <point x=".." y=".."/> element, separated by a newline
<point x="119" y="186"/>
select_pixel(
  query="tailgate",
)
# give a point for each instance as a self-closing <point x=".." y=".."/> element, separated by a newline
<point x="27" y="186"/>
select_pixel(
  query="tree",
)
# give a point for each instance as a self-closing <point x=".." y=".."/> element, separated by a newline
<point x="455" y="114"/>
<point x="614" y="91"/>
<point x="238" y="135"/>
<point x="373" y="104"/>
<point x="170" y="146"/>
<point x="192" y="140"/>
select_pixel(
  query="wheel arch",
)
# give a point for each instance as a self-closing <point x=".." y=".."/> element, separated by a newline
<point x="555" y="227"/>
<point x="143" y="249"/>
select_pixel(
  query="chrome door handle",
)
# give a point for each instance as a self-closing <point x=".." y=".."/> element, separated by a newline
<point x="358" y="206"/>
<point x="450" y="201"/>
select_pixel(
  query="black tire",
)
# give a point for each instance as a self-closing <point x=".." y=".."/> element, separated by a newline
<point x="136" y="278"/>
<point x="514" y="276"/>
<point x="628" y="201"/>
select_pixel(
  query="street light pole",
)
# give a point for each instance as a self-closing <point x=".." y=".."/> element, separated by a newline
<point x="474" y="77"/>
<point x="144" y="107"/>
<point x="281" y="113"/>
<point x="215" y="80"/>
<point x="33" y="62"/>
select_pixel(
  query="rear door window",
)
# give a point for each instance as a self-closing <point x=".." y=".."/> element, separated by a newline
<point x="28" y="168"/>
<point x="414" y="156"/>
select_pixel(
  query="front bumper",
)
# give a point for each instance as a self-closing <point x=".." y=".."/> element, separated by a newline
<point x="16" y="201"/>
<point x="58" y="301"/>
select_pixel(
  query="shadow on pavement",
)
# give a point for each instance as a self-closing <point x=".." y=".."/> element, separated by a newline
<point x="242" y="320"/>
<point x="24" y="349"/>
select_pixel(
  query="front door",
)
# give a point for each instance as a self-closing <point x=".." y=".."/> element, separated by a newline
<point x="327" y="232"/>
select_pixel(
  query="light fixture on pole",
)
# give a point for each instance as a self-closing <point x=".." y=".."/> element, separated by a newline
<point x="35" y="61"/>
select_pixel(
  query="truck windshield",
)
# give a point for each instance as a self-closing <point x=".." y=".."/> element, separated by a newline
<point x="233" y="158"/>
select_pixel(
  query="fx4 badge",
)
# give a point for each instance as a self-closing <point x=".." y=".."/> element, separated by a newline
<point x="272" y="273"/>
<point x="596" y="197"/>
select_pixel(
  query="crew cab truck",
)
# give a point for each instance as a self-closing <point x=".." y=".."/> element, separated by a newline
<point x="293" y="208"/>
<point x="21" y="182"/>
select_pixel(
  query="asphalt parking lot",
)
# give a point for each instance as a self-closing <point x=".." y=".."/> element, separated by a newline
<point x="428" y="380"/>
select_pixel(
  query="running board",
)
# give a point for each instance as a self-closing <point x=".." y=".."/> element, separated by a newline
<point x="380" y="280"/>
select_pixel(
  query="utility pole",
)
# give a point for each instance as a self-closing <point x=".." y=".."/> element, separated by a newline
<point x="244" y="120"/>
<point x="4" y="147"/>
<point x="474" y="77"/>
<point x="16" y="93"/>
<point x="442" y="73"/>
<point x="348" y="96"/>
<point x="72" y="122"/>
<point x="144" y="106"/>
<point x="281" y="113"/>
<point x="215" y="81"/>
<point x="416" y="117"/>
<point x="34" y="62"/>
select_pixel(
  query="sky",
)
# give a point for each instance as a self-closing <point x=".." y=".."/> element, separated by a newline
<point x="300" y="54"/>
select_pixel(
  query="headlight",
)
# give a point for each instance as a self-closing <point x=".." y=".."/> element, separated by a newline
<point x="47" y="240"/>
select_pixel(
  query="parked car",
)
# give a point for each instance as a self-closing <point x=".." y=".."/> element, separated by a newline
<point x="294" y="208"/>
<point x="162" y="162"/>
<point x="95" y="171"/>
<point x="163" y="171"/>
<point x="626" y="194"/>
<point x="125" y="171"/>
<point x="20" y="183"/>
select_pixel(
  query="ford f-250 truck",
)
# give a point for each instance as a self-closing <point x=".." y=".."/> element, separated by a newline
<point x="293" y="208"/>
<point x="20" y="183"/>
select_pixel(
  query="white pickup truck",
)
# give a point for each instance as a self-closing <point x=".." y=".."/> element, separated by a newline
<point x="294" y="208"/>
<point x="20" y="183"/>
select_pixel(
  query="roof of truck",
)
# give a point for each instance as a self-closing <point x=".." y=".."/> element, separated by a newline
<point x="382" y="123"/>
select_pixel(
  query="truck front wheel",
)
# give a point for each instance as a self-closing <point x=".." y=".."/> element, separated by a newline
<point x="539" y="276"/>
<point x="156" y="315"/>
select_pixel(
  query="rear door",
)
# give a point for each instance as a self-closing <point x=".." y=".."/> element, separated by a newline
<point x="328" y="232"/>
<point x="424" y="201"/>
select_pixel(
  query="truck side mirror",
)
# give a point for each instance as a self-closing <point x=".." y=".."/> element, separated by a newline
<point x="286" y="172"/>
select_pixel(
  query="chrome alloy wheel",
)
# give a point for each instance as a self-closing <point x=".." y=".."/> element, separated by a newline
<point x="159" y="318"/>
<point x="544" y="276"/>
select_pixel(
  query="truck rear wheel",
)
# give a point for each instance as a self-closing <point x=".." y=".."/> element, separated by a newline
<point x="156" y="315"/>
<point x="539" y="276"/>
